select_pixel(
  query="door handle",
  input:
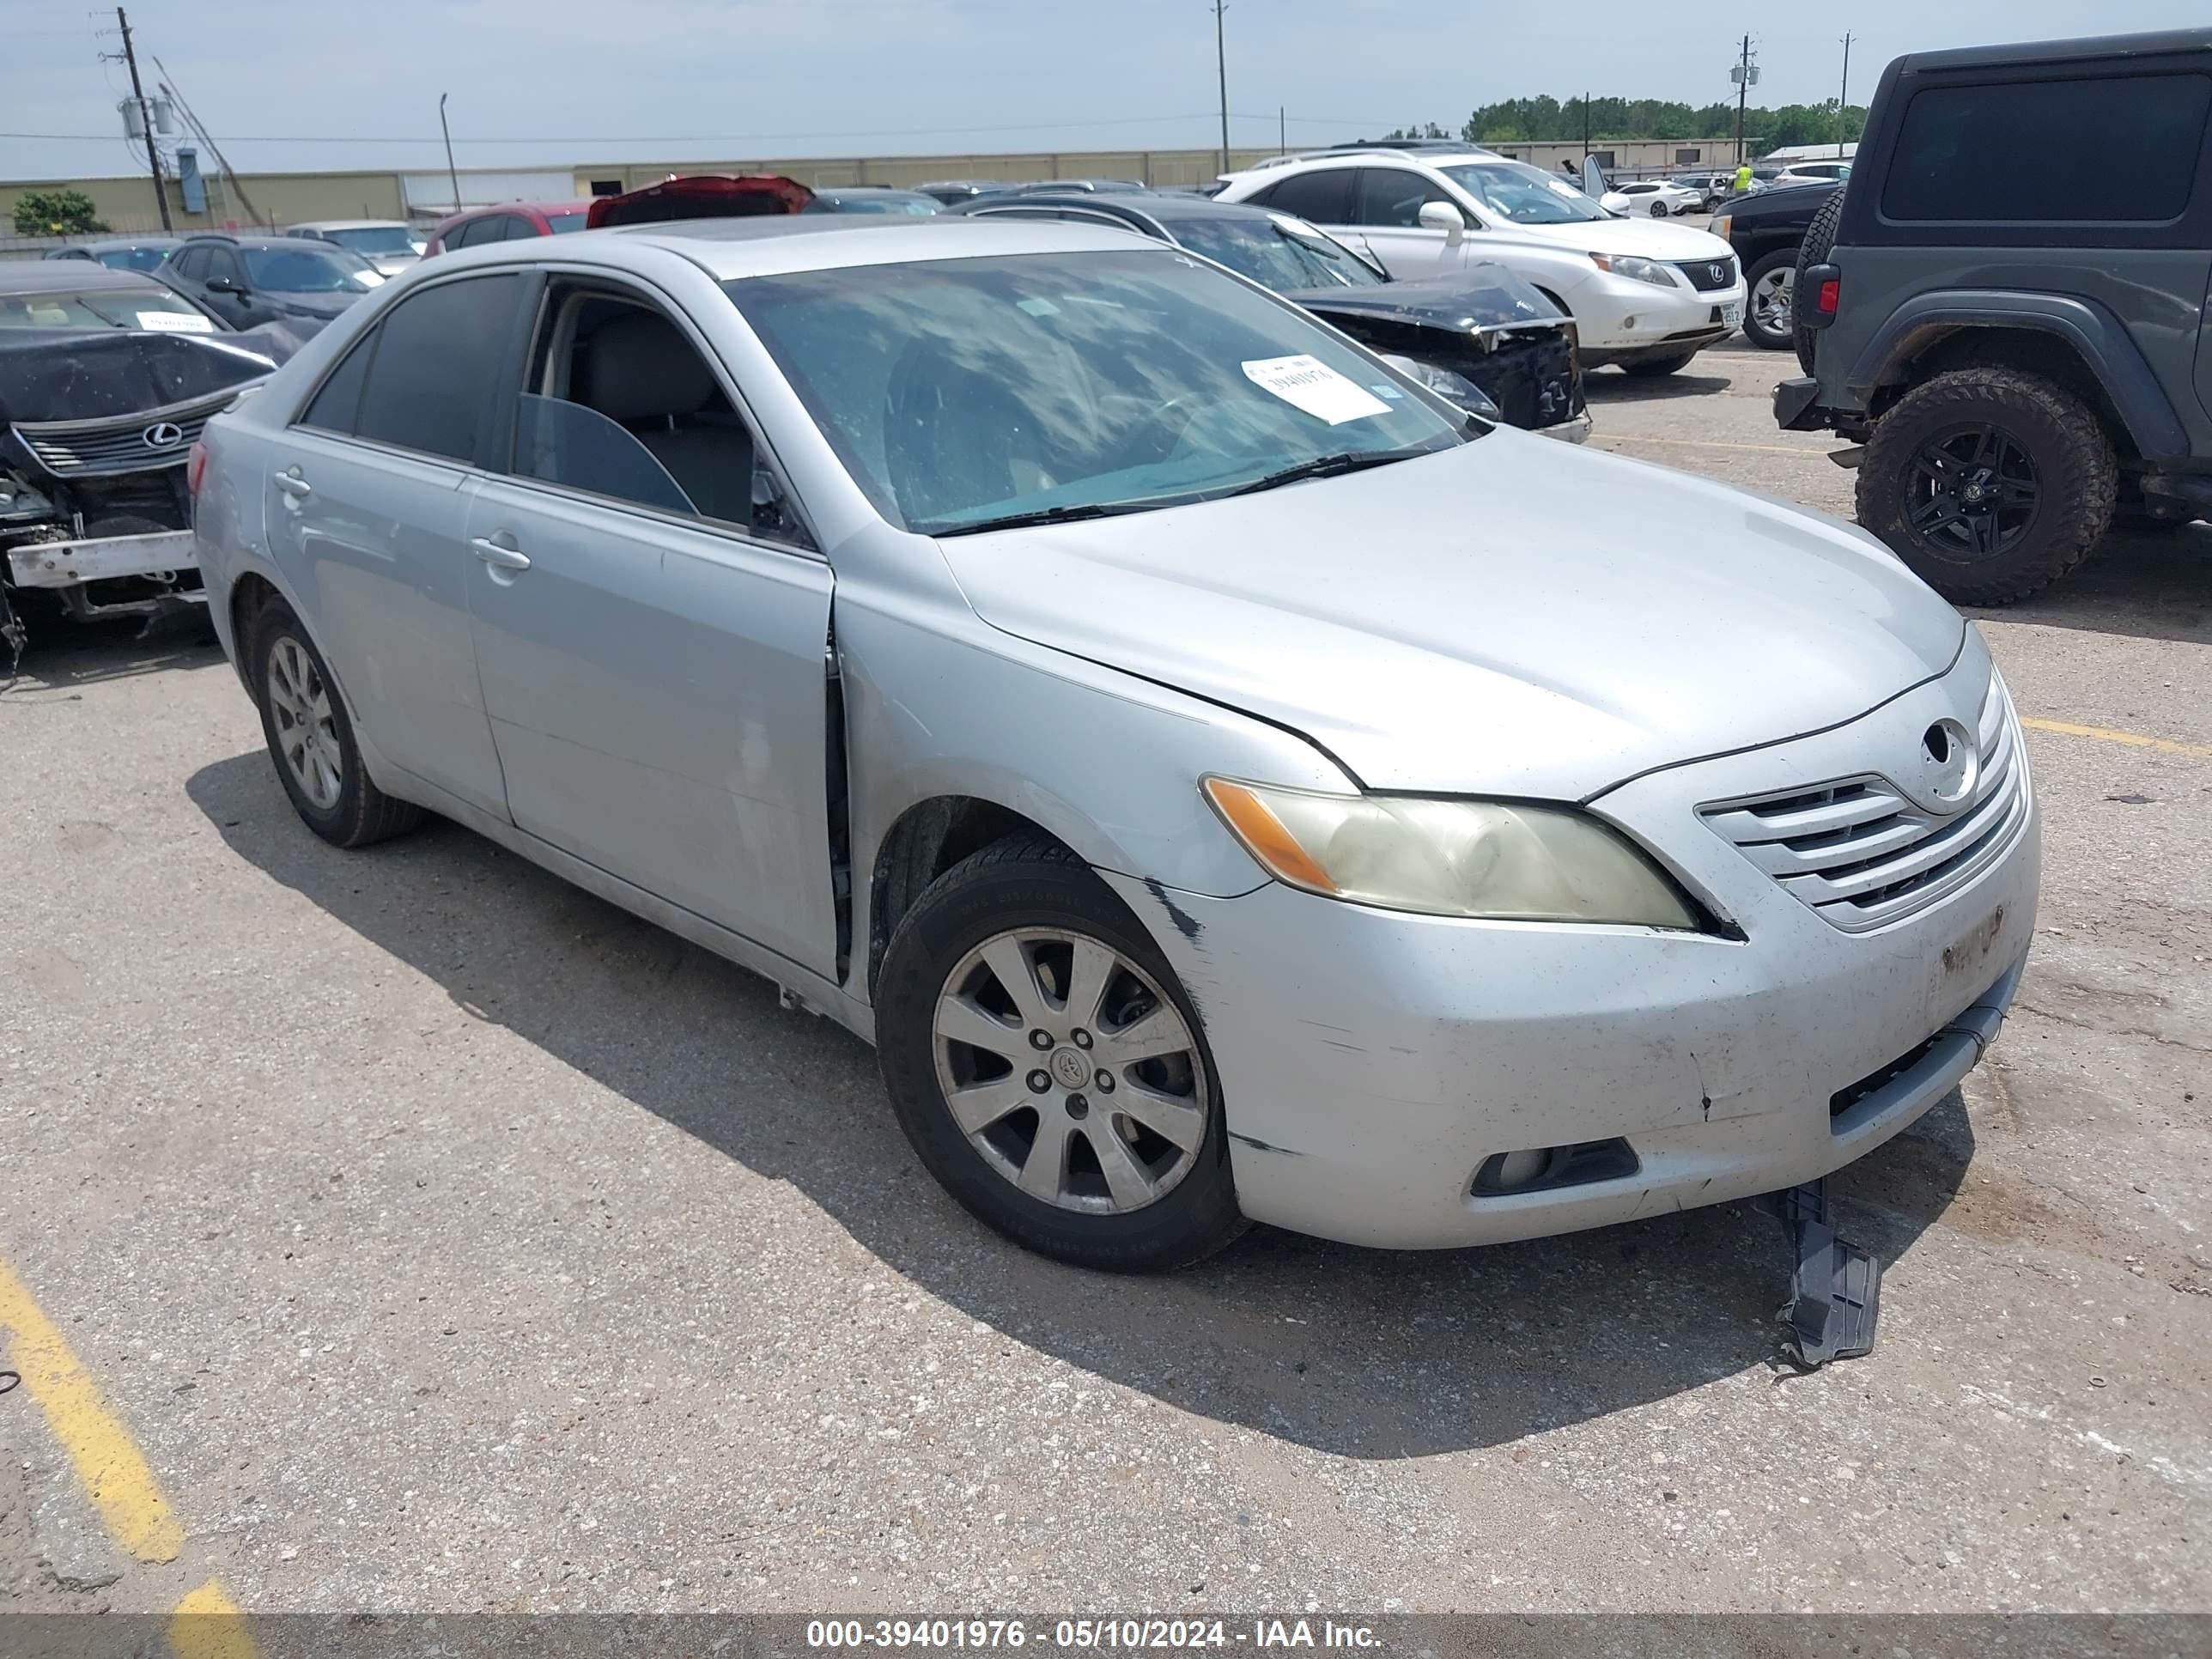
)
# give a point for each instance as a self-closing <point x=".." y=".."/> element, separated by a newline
<point x="493" y="552"/>
<point x="293" y="485"/>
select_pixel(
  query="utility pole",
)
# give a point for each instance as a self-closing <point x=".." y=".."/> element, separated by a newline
<point x="451" y="172"/>
<point x="1844" y="98"/>
<point x="1282" y="129"/>
<point x="1743" y="74"/>
<point x="145" y="120"/>
<point x="1221" y="68"/>
<point x="1585" y="127"/>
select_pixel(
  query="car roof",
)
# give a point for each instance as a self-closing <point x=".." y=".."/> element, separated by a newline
<point x="77" y="275"/>
<point x="272" y="239"/>
<point x="351" y="224"/>
<point x="157" y="238"/>
<point x="2155" y="44"/>
<point x="778" y="244"/>
<point x="1166" y="207"/>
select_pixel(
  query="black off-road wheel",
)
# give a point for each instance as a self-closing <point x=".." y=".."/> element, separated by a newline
<point x="1047" y="1067"/>
<point x="1820" y="242"/>
<point x="1990" y="484"/>
<point x="310" y="736"/>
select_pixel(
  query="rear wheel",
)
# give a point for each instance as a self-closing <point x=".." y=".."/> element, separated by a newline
<point x="1048" y="1069"/>
<point x="1772" y="283"/>
<point x="1652" y="367"/>
<point x="1988" y="483"/>
<point x="310" y="740"/>
<point x="1658" y="208"/>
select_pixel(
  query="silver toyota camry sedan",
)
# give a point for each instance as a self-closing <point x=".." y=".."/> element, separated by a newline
<point x="1223" y="780"/>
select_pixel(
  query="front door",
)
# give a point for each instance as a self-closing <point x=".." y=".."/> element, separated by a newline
<point x="1387" y="207"/>
<point x="652" y="627"/>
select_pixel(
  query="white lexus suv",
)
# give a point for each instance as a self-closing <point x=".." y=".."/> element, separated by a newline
<point x="1645" y="293"/>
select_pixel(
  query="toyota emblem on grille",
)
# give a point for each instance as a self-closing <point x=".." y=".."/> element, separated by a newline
<point x="1949" y="767"/>
<point x="163" y="435"/>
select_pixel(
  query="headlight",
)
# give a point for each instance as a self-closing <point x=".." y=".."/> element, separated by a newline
<point x="1449" y="858"/>
<point x="1453" y="388"/>
<point x="1635" y="268"/>
<point x="1722" y="226"/>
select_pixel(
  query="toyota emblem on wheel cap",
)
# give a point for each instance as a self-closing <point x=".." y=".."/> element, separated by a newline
<point x="1949" y="767"/>
<point x="163" y="435"/>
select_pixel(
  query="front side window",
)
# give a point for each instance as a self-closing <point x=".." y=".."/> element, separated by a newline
<point x="1394" y="196"/>
<point x="1277" y="252"/>
<point x="434" y="354"/>
<point x="309" y="270"/>
<point x="971" y="394"/>
<point x="133" y="258"/>
<point x="2113" y="149"/>
<point x="1524" y="195"/>
<point x="621" y="403"/>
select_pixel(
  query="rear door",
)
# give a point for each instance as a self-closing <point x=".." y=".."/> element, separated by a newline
<point x="367" y="517"/>
<point x="1321" y="197"/>
<point x="652" y="624"/>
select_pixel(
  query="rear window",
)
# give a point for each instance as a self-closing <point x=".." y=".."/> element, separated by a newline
<point x="562" y="223"/>
<point x="2115" y="149"/>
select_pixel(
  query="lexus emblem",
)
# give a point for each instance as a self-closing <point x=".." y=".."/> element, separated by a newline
<point x="1949" y="767"/>
<point x="1719" y="273"/>
<point x="163" y="435"/>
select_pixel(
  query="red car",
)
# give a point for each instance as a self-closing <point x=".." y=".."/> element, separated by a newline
<point x="701" y="195"/>
<point x="506" y="223"/>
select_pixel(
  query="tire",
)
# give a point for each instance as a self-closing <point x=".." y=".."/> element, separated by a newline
<point x="1820" y="242"/>
<point x="1775" y="335"/>
<point x="1650" y="369"/>
<point x="1999" y="430"/>
<point x="355" y="812"/>
<point x="1658" y="209"/>
<point x="1036" y="893"/>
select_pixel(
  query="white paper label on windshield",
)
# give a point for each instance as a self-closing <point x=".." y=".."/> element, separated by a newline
<point x="174" y="322"/>
<point x="1307" y="383"/>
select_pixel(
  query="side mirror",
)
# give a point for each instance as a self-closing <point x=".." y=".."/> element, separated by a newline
<point x="1443" y="216"/>
<point x="222" y="285"/>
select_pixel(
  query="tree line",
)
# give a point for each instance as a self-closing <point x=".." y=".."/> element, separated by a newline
<point x="1552" y="120"/>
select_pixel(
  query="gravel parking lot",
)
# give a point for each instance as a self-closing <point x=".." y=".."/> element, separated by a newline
<point x="448" y="1239"/>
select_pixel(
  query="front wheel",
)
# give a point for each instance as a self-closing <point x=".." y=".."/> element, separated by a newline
<point x="1988" y="483"/>
<point x="1048" y="1069"/>
<point x="1772" y="284"/>
<point x="1658" y="209"/>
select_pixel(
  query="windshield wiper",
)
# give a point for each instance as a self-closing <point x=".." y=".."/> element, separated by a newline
<point x="1325" y="466"/>
<point x="1042" y="515"/>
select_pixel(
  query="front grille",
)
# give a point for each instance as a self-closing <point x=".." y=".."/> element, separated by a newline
<point x="84" y="449"/>
<point x="1860" y="854"/>
<point x="1708" y="276"/>
<point x="1529" y="373"/>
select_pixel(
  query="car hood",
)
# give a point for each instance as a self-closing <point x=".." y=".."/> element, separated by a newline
<point x="1480" y="296"/>
<point x="1654" y="239"/>
<point x="325" y="306"/>
<point x="1512" y="617"/>
<point x="96" y="375"/>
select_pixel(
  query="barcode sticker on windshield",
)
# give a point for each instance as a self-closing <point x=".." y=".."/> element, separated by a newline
<point x="1307" y="383"/>
<point x="174" y="322"/>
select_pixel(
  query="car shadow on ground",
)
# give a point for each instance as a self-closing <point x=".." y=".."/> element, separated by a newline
<point x="1364" y="1354"/>
<point x="1618" y="385"/>
<point x="63" y="657"/>
<point x="2151" y="584"/>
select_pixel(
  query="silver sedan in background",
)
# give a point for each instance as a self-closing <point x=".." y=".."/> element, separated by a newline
<point x="1225" y="780"/>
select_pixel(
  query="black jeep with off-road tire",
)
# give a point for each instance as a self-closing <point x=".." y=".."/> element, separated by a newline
<point x="2005" y="308"/>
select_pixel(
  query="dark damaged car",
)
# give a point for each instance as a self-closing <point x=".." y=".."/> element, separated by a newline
<point x="1481" y="337"/>
<point x="106" y="378"/>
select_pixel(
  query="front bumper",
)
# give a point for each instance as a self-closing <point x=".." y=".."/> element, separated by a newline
<point x="70" y="564"/>
<point x="1619" y="318"/>
<point x="1372" y="1063"/>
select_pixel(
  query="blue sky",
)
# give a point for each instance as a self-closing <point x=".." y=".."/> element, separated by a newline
<point x="693" y="79"/>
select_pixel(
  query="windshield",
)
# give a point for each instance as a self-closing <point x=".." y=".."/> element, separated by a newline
<point x="1524" y="194"/>
<point x="1276" y="253"/>
<point x="563" y="222"/>
<point x="377" y="241"/>
<point x="309" y="270"/>
<point x="964" y="393"/>
<point x="159" y="309"/>
<point x="132" y="259"/>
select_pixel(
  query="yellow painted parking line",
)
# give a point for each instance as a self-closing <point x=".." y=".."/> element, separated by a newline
<point x="208" y="1624"/>
<point x="1707" y="443"/>
<point x="2132" y="739"/>
<point x="101" y="1450"/>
